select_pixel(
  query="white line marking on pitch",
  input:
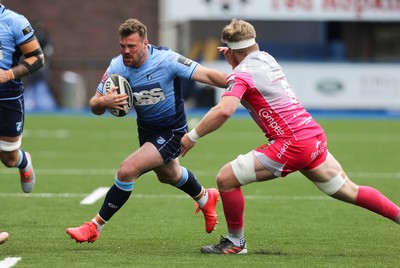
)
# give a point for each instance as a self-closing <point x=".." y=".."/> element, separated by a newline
<point x="96" y="195"/>
<point x="9" y="262"/>
<point x="111" y="172"/>
<point x="165" y="196"/>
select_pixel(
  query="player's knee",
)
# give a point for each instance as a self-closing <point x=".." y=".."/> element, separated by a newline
<point x="9" y="163"/>
<point x="221" y="180"/>
<point x="333" y="185"/>
<point x="226" y="179"/>
<point x="166" y="180"/>
<point x="9" y="160"/>
<point x="125" y="174"/>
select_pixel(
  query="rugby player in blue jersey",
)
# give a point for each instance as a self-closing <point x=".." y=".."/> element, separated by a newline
<point x="17" y="39"/>
<point x="154" y="74"/>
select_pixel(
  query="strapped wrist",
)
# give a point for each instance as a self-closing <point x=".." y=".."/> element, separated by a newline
<point x="10" y="75"/>
<point x="193" y="136"/>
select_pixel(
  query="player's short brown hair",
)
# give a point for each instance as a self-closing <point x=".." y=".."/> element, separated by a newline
<point x="131" y="26"/>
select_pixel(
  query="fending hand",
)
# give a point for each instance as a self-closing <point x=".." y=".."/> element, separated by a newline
<point x="186" y="144"/>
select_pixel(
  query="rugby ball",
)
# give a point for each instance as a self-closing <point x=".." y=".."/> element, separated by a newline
<point x="123" y="87"/>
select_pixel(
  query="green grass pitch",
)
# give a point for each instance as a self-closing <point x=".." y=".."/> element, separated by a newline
<point x="289" y="223"/>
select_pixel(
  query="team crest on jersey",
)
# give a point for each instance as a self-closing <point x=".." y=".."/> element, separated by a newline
<point x="160" y="140"/>
<point x="185" y="61"/>
<point x="157" y="63"/>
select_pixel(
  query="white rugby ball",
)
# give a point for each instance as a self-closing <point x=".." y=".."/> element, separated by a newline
<point x="123" y="87"/>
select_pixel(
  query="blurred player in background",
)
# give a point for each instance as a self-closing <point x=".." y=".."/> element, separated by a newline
<point x="17" y="38"/>
<point x="296" y="141"/>
<point x="38" y="94"/>
<point x="154" y="74"/>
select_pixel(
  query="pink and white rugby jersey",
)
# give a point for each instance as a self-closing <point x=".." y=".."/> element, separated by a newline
<point x="261" y="85"/>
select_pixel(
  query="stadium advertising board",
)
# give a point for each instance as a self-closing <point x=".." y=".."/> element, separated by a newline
<point x="346" y="86"/>
<point x="367" y="10"/>
<point x="340" y="86"/>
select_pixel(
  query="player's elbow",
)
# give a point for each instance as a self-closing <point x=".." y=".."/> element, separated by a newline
<point x="223" y="113"/>
<point x="95" y="106"/>
<point x="97" y="110"/>
<point x="42" y="59"/>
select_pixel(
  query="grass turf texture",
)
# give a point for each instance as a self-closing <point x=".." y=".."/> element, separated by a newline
<point x="289" y="223"/>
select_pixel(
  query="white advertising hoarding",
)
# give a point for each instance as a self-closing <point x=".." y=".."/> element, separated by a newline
<point x="368" y="10"/>
<point x="339" y="85"/>
<point x="346" y="86"/>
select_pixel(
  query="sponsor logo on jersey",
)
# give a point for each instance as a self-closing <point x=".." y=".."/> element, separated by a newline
<point x="230" y="86"/>
<point x="185" y="61"/>
<point x="26" y="30"/>
<point x="148" y="95"/>
<point x="317" y="143"/>
<point x="284" y="148"/>
<point x="149" y="77"/>
<point x="320" y="150"/>
<point x="270" y="121"/>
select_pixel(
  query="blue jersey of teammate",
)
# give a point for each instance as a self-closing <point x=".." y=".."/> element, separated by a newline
<point x="157" y="94"/>
<point x="15" y="29"/>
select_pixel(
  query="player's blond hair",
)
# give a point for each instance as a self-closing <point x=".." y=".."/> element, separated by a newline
<point x="131" y="26"/>
<point x="238" y="30"/>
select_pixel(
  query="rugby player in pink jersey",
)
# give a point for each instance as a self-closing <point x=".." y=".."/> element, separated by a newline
<point x="295" y="140"/>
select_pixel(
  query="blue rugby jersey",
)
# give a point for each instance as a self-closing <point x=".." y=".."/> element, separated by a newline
<point x="14" y="30"/>
<point x="157" y="94"/>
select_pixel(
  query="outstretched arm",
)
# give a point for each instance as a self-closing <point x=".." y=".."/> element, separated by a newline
<point x="209" y="76"/>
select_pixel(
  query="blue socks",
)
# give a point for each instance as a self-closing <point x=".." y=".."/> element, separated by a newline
<point x="188" y="183"/>
<point x="116" y="197"/>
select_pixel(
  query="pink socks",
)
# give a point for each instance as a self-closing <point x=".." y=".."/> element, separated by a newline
<point x="233" y="203"/>
<point x="373" y="200"/>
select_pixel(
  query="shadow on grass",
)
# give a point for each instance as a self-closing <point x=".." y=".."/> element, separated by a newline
<point x="268" y="252"/>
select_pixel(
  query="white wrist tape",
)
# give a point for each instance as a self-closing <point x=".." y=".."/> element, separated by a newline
<point x="193" y="136"/>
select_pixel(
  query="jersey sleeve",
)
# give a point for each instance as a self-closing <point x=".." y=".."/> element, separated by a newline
<point x="181" y="66"/>
<point x="103" y="79"/>
<point x="22" y="29"/>
<point x="238" y="83"/>
<point x="115" y="67"/>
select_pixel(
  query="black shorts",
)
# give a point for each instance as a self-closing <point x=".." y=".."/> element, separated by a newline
<point x="167" y="141"/>
<point x="12" y="116"/>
